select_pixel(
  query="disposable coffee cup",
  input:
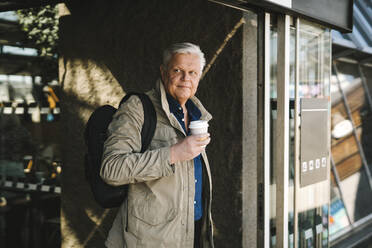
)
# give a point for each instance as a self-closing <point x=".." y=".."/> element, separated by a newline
<point x="198" y="127"/>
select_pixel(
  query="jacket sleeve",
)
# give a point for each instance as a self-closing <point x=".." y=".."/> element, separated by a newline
<point x="122" y="162"/>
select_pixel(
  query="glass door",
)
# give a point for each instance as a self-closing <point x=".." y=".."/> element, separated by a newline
<point x="312" y="192"/>
<point x="299" y="164"/>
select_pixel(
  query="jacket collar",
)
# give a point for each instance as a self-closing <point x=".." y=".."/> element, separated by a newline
<point x="205" y="115"/>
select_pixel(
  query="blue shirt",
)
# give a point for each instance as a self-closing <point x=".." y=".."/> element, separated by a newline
<point x="193" y="114"/>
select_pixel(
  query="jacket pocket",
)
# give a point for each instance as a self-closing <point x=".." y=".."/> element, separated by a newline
<point x="151" y="210"/>
<point x="164" y="136"/>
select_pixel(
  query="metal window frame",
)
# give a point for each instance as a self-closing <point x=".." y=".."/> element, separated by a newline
<point x="282" y="129"/>
<point x="297" y="134"/>
<point x="267" y="124"/>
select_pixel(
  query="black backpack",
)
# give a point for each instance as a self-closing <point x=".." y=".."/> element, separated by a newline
<point x="95" y="134"/>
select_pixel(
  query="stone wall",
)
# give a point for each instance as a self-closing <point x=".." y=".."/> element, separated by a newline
<point x="111" y="47"/>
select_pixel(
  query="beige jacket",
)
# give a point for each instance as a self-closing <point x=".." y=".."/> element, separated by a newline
<point x="159" y="210"/>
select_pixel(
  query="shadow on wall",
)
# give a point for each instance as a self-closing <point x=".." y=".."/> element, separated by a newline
<point x="111" y="48"/>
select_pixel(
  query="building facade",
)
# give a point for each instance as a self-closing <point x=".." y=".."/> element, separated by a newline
<point x="291" y="103"/>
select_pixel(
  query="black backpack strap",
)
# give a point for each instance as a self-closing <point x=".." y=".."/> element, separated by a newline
<point x="149" y="124"/>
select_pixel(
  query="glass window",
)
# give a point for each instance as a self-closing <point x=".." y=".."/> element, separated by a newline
<point x="347" y="154"/>
<point x="30" y="159"/>
<point x="29" y="127"/>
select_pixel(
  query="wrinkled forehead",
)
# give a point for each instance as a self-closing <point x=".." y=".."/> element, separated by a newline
<point x="186" y="60"/>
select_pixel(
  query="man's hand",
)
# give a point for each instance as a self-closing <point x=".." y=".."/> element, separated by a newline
<point x="189" y="147"/>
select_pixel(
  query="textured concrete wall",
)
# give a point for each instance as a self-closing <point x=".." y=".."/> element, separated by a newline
<point x="251" y="132"/>
<point x="110" y="47"/>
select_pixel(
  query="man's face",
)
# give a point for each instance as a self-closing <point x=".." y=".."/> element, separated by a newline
<point x="181" y="78"/>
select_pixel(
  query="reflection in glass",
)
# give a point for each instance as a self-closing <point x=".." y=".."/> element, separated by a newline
<point x="30" y="162"/>
<point x="338" y="216"/>
<point x="354" y="179"/>
<point x="314" y="66"/>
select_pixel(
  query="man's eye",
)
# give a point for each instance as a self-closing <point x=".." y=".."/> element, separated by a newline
<point x="193" y="73"/>
<point x="176" y="70"/>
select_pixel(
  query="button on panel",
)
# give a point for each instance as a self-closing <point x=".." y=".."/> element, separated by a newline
<point x="311" y="165"/>
<point x="304" y="166"/>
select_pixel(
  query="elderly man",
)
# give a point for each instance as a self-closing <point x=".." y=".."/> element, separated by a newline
<point x="170" y="188"/>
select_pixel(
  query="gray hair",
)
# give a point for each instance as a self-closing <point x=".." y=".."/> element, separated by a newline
<point x="185" y="48"/>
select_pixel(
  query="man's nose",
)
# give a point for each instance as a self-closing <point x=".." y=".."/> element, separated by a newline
<point x="185" y="76"/>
